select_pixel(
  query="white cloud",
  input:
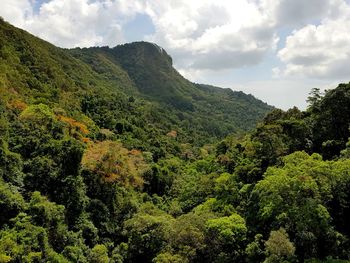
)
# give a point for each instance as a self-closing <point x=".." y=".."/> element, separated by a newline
<point x="71" y="23"/>
<point x="212" y="34"/>
<point x="16" y="11"/>
<point x="321" y="51"/>
<point x="202" y="34"/>
<point x="299" y="12"/>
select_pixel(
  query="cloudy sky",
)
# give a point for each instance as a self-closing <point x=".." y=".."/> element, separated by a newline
<point x="276" y="50"/>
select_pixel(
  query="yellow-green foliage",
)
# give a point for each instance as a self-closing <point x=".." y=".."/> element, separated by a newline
<point x="99" y="254"/>
<point x="40" y="114"/>
<point x="114" y="163"/>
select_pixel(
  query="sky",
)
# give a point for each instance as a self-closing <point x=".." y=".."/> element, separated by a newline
<point x="277" y="50"/>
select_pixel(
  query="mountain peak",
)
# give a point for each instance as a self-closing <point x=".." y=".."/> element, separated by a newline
<point x="143" y="52"/>
<point x="145" y="44"/>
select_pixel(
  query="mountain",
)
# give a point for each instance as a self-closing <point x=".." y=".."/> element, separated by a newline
<point x="215" y="111"/>
<point x="36" y="71"/>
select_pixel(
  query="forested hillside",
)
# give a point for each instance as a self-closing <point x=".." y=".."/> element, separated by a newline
<point x="99" y="84"/>
<point x="213" y="112"/>
<point x="110" y="155"/>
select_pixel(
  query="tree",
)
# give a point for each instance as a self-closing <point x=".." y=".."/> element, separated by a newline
<point x="330" y="121"/>
<point x="169" y="258"/>
<point x="148" y="232"/>
<point x="278" y="247"/>
<point x="255" y="250"/>
<point x="99" y="254"/>
<point x="225" y="238"/>
<point x="297" y="195"/>
<point x="11" y="165"/>
<point x="11" y="202"/>
<point x="51" y="217"/>
<point x="314" y="98"/>
<point x="40" y="114"/>
<point x="24" y="240"/>
<point x="114" y="163"/>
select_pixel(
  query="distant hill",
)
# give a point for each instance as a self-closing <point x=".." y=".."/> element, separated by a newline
<point x="126" y="88"/>
<point x="151" y="70"/>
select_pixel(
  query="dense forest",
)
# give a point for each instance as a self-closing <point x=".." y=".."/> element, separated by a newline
<point x="110" y="155"/>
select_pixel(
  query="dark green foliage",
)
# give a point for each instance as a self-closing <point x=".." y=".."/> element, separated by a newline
<point x="11" y="202"/>
<point x="279" y="248"/>
<point x="330" y="117"/>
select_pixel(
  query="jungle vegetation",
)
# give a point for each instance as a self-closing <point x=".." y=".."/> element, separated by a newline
<point x="110" y="155"/>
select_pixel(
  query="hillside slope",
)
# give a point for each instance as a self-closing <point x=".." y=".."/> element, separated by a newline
<point x="140" y="74"/>
<point x="215" y="111"/>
